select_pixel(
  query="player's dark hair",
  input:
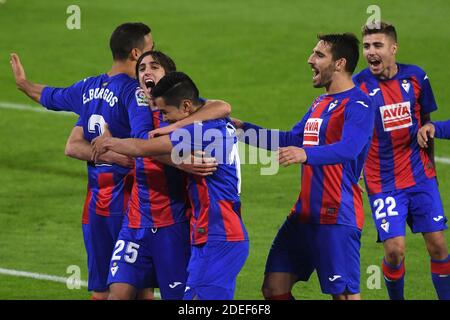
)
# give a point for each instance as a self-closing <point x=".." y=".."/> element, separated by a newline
<point x="126" y="37"/>
<point x="175" y="87"/>
<point x="384" y="28"/>
<point x="163" y="59"/>
<point x="345" y="46"/>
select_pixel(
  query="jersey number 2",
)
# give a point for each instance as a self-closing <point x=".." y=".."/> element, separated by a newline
<point x="96" y="121"/>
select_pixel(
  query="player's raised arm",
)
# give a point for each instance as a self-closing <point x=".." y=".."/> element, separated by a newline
<point x="213" y="109"/>
<point x="33" y="90"/>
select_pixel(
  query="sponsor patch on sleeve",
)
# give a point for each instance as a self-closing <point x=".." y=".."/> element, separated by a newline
<point x="141" y="98"/>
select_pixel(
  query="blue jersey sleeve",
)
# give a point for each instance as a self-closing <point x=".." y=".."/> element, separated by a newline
<point x="442" y="129"/>
<point x="357" y="133"/>
<point x="272" y="139"/>
<point x="79" y="122"/>
<point x="426" y="98"/>
<point x="63" y="99"/>
<point x="357" y="79"/>
<point x="139" y="112"/>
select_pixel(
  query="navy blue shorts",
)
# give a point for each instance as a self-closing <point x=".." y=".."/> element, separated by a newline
<point x="331" y="250"/>
<point x="149" y="257"/>
<point x="420" y="206"/>
<point x="100" y="236"/>
<point x="213" y="270"/>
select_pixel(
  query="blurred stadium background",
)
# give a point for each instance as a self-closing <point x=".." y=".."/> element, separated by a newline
<point x="250" y="53"/>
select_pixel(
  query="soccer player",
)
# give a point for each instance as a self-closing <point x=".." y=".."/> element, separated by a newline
<point x="438" y="129"/>
<point x="323" y="230"/>
<point x="158" y="216"/>
<point x="101" y="99"/>
<point x="218" y="236"/>
<point x="400" y="176"/>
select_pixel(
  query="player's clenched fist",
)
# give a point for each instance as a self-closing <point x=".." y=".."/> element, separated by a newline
<point x="426" y="132"/>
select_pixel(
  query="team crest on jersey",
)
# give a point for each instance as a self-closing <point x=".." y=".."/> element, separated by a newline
<point x="312" y="131"/>
<point x="385" y="227"/>
<point x="114" y="269"/>
<point x="406" y="85"/>
<point x="141" y="98"/>
<point x="396" y="116"/>
<point x="333" y="105"/>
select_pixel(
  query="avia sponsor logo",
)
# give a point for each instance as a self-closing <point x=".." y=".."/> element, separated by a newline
<point x="311" y="132"/>
<point x="396" y="116"/>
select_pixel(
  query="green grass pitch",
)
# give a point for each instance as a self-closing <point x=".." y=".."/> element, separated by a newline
<point x="250" y="53"/>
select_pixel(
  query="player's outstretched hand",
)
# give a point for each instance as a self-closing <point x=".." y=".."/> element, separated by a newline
<point x="17" y="69"/>
<point x="199" y="165"/>
<point x="291" y="155"/>
<point x="163" y="131"/>
<point x="426" y="132"/>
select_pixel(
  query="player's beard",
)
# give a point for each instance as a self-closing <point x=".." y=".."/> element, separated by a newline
<point x="326" y="76"/>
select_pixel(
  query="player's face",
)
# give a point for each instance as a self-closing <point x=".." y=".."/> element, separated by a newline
<point x="379" y="51"/>
<point x="170" y="113"/>
<point x="150" y="72"/>
<point x="322" y="64"/>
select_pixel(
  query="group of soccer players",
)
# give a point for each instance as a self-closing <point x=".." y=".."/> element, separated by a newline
<point x="147" y="224"/>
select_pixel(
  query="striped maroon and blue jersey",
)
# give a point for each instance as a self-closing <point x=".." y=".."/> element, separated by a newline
<point x="335" y="134"/>
<point x="98" y="100"/>
<point x="215" y="200"/>
<point x="336" y="137"/>
<point x="159" y="196"/>
<point x="395" y="159"/>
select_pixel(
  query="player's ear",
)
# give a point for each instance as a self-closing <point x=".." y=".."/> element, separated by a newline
<point x="186" y="106"/>
<point x="340" y="64"/>
<point x="134" y="54"/>
<point x="394" y="48"/>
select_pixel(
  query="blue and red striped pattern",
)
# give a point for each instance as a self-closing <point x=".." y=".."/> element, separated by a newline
<point x="159" y="195"/>
<point x="215" y="201"/>
<point x="109" y="189"/>
<point x="395" y="160"/>
<point x="329" y="193"/>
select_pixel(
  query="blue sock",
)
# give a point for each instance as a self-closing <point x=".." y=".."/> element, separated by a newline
<point x="394" y="278"/>
<point x="440" y="274"/>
